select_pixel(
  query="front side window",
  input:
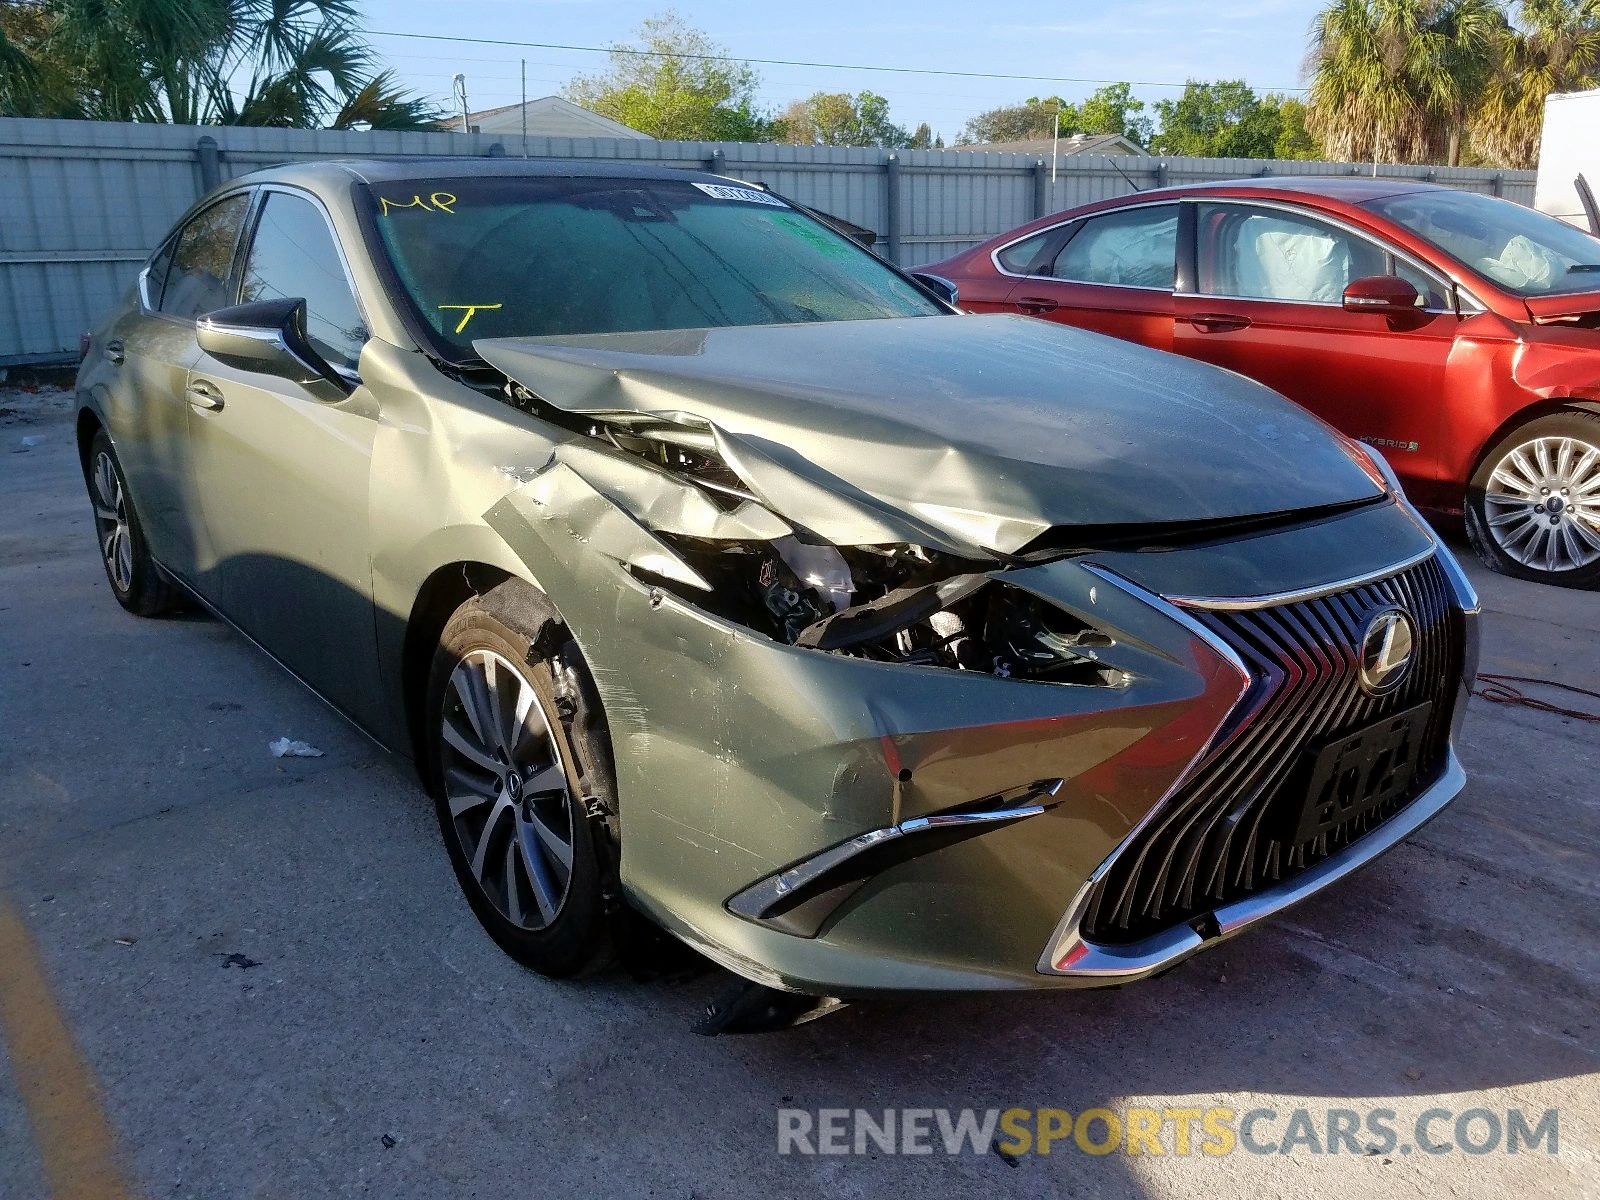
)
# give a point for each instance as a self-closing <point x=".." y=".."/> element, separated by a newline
<point x="293" y="254"/>
<point x="1269" y="254"/>
<point x="521" y="256"/>
<point x="1521" y="249"/>
<point x="197" y="280"/>
<point x="1134" y="248"/>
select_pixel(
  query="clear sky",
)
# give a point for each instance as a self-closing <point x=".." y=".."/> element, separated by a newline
<point x="1159" y="41"/>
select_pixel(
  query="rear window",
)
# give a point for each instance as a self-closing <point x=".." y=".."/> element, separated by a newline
<point x="535" y="257"/>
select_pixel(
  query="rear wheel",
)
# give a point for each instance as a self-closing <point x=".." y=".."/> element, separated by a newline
<point x="1533" y="508"/>
<point x="135" y="579"/>
<point x="521" y="775"/>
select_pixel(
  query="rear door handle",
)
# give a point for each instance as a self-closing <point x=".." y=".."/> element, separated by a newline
<point x="1035" y="305"/>
<point x="204" y="394"/>
<point x="1217" y="322"/>
<point x="114" y="352"/>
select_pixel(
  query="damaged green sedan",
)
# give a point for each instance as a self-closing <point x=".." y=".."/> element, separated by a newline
<point x="720" y="576"/>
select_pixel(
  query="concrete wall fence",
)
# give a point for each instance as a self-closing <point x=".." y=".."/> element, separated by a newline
<point x="82" y="203"/>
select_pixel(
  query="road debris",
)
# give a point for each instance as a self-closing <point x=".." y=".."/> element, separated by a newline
<point x="286" y="748"/>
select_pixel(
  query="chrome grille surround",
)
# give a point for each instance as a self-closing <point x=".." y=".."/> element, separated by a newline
<point x="1202" y="864"/>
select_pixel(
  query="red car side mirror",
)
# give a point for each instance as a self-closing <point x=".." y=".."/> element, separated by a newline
<point x="1386" y="295"/>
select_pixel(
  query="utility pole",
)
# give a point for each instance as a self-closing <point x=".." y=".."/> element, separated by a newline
<point x="524" y="108"/>
<point x="459" y="86"/>
<point x="1055" y="145"/>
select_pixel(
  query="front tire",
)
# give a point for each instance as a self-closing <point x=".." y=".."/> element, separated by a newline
<point x="519" y="766"/>
<point x="1533" y="507"/>
<point x="135" y="580"/>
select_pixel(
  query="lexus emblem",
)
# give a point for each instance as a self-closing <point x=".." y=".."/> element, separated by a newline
<point x="1386" y="649"/>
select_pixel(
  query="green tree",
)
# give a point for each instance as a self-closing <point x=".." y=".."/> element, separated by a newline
<point x="675" y="82"/>
<point x="1033" y="118"/>
<point x="1227" y="119"/>
<point x="1553" y="46"/>
<point x="1112" y="109"/>
<point x="302" y="63"/>
<point x="842" y="119"/>
<point x="1397" y="79"/>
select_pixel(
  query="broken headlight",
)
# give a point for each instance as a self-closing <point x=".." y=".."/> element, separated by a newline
<point x="901" y="604"/>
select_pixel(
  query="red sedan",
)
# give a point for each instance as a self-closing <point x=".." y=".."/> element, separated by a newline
<point x="1457" y="333"/>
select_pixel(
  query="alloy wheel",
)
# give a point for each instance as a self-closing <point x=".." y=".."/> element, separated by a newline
<point x="509" y="796"/>
<point x="1543" y="503"/>
<point x="111" y="522"/>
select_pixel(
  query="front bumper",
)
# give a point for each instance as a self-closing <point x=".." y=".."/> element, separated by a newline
<point x="741" y="760"/>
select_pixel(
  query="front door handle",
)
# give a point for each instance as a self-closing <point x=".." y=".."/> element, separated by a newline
<point x="114" y="352"/>
<point x="1217" y="322"/>
<point x="1037" y="305"/>
<point x="204" y="394"/>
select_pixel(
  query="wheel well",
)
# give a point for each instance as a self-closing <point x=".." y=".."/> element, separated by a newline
<point x="446" y="590"/>
<point x="88" y="426"/>
<point x="1542" y="408"/>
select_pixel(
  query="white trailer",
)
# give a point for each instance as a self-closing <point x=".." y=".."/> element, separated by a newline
<point x="1569" y="159"/>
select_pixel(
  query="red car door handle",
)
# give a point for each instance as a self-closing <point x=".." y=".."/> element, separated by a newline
<point x="1037" y="304"/>
<point x="1217" y="322"/>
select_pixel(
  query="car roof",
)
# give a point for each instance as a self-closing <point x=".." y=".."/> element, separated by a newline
<point x="1353" y="189"/>
<point x="336" y="172"/>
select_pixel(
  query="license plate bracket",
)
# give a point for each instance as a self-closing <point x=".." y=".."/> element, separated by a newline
<point x="1359" y="771"/>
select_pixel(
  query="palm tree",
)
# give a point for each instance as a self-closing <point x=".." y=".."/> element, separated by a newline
<point x="1554" y="46"/>
<point x="178" y="61"/>
<point x="1394" y="79"/>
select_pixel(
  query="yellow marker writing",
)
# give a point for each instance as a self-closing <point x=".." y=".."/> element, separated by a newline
<point x="471" y="308"/>
<point x="440" y="201"/>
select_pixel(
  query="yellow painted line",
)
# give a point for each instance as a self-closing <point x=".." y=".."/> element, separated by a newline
<point x="76" y="1146"/>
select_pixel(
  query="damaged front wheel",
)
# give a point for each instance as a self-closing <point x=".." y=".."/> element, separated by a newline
<point x="521" y="776"/>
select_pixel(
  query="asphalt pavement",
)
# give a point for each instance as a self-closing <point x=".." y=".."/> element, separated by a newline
<point x="224" y="974"/>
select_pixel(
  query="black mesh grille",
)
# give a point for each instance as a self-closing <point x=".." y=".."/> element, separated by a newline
<point x="1226" y="833"/>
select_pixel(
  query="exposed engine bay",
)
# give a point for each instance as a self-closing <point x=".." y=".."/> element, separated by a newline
<point x="900" y="602"/>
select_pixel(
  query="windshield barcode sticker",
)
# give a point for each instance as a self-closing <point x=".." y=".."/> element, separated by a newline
<point x="722" y="191"/>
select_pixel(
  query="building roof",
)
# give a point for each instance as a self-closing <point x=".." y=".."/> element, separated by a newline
<point x="548" y="116"/>
<point x="1078" y="143"/>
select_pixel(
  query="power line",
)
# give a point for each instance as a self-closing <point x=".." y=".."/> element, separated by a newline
<point x="783" y="62"/>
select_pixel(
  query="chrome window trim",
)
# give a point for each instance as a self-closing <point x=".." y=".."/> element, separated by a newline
<point x="253" y="219"/>
<point x="994" y="255"/>
<point x="1446" y="283"/>
<point x="175" y="234"/>
<point x="1243" y="603"/>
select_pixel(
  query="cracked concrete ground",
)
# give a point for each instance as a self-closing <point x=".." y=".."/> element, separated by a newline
<point x="268" y="968"/>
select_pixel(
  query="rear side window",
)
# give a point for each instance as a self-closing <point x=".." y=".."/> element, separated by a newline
<point x="293" y="254"/>
<point x="155" y="275"/>
<point x="1134" y="248"/>
<point x="1019" y="256"/>
<point x="197" y="281"/>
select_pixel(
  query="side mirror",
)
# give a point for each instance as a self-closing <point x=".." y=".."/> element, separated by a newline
<point x="1386" y="295"/>
<point x="940" y="287"/>
<point x="268" y="336"/>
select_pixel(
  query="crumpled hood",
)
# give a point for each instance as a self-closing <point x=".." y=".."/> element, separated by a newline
<point x="989" y="429"/>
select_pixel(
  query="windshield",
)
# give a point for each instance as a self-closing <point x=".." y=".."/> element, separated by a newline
<point x="1518" y="248"/>
<point x="531" y="256"/>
